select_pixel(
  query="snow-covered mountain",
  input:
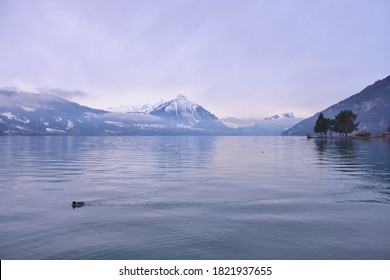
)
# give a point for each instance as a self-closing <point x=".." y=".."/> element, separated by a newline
<point x="274" y="125"/>
<point x="289" y="115"/>
<point x="277" y="124"/>
<point x="23" y="113"/>
<point x="143" y="109"/>
<point x="185" y="113"/>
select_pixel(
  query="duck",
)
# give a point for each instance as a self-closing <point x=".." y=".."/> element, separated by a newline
<point x="77" y="203"/>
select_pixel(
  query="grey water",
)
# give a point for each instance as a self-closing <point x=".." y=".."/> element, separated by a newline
<point x="194" y="198"/>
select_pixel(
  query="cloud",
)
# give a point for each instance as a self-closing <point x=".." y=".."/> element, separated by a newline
<point x="248" y="59"/>
<point x="133" y="117"/>
<point x="9" y="88"/>
<point x="236" y="122"/>
<point x="67" y="94"/>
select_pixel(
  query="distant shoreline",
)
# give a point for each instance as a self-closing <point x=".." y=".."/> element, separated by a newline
<point x="351" y="137"/>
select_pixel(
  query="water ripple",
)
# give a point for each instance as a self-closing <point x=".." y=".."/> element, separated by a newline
<point x="194" y="198"/>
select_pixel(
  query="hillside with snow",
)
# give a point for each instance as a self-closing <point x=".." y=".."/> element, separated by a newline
<point x="289" y="115"/>
<point x="142" y="109"/>
<point x="23" y="113"/>
<point x="185" y="113"/>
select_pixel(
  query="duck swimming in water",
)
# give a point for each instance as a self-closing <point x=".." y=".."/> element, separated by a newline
<point x="77" y="204"/>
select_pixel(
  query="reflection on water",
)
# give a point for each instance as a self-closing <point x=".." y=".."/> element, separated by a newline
<point x="365" y="162"/>
<point x="194" y="198"/>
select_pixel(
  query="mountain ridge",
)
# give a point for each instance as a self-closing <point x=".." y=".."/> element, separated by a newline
<point x="288" y="115"/>
<point x="186" y="113"/>
<point x="372" y="105"/>
<point x="144" y="108"/>
<point x="23" y="113"/>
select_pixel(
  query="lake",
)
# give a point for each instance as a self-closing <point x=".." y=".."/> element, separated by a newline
<point x="194" y="198"/>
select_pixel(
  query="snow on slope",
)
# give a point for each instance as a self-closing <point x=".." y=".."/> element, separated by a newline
<point x="144" y="109"/>
<point x="184" y="112"/>
<point x="289" y="115"/>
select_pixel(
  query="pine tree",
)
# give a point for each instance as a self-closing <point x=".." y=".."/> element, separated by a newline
<point x="322" y="125"/>
<point x="331" y="126"/>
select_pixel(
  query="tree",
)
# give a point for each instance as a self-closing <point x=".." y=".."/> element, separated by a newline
<point x="322" y="125"/>
<point x="331" y="126"/>
<point x="345" y="122"/>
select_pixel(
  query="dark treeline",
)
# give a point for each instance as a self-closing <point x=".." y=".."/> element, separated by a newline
<point x="343" y="123"/>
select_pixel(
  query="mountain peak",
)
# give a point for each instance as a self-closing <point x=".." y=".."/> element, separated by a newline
<point x="184" y="112"/>
<point x="180" y="104"/>
<point x="181" y="96"/>
<point x="288" y="115"/>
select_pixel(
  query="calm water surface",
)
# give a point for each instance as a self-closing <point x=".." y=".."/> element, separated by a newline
<point x="194" y="198"/>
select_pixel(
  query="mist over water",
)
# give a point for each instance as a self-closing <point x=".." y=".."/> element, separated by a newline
<point x="194" y="198"/>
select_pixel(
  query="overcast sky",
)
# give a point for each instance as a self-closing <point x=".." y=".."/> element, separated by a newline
<point x="241" y="58"/>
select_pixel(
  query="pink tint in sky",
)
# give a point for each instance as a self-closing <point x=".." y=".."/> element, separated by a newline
<point x="244" y="59"/>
